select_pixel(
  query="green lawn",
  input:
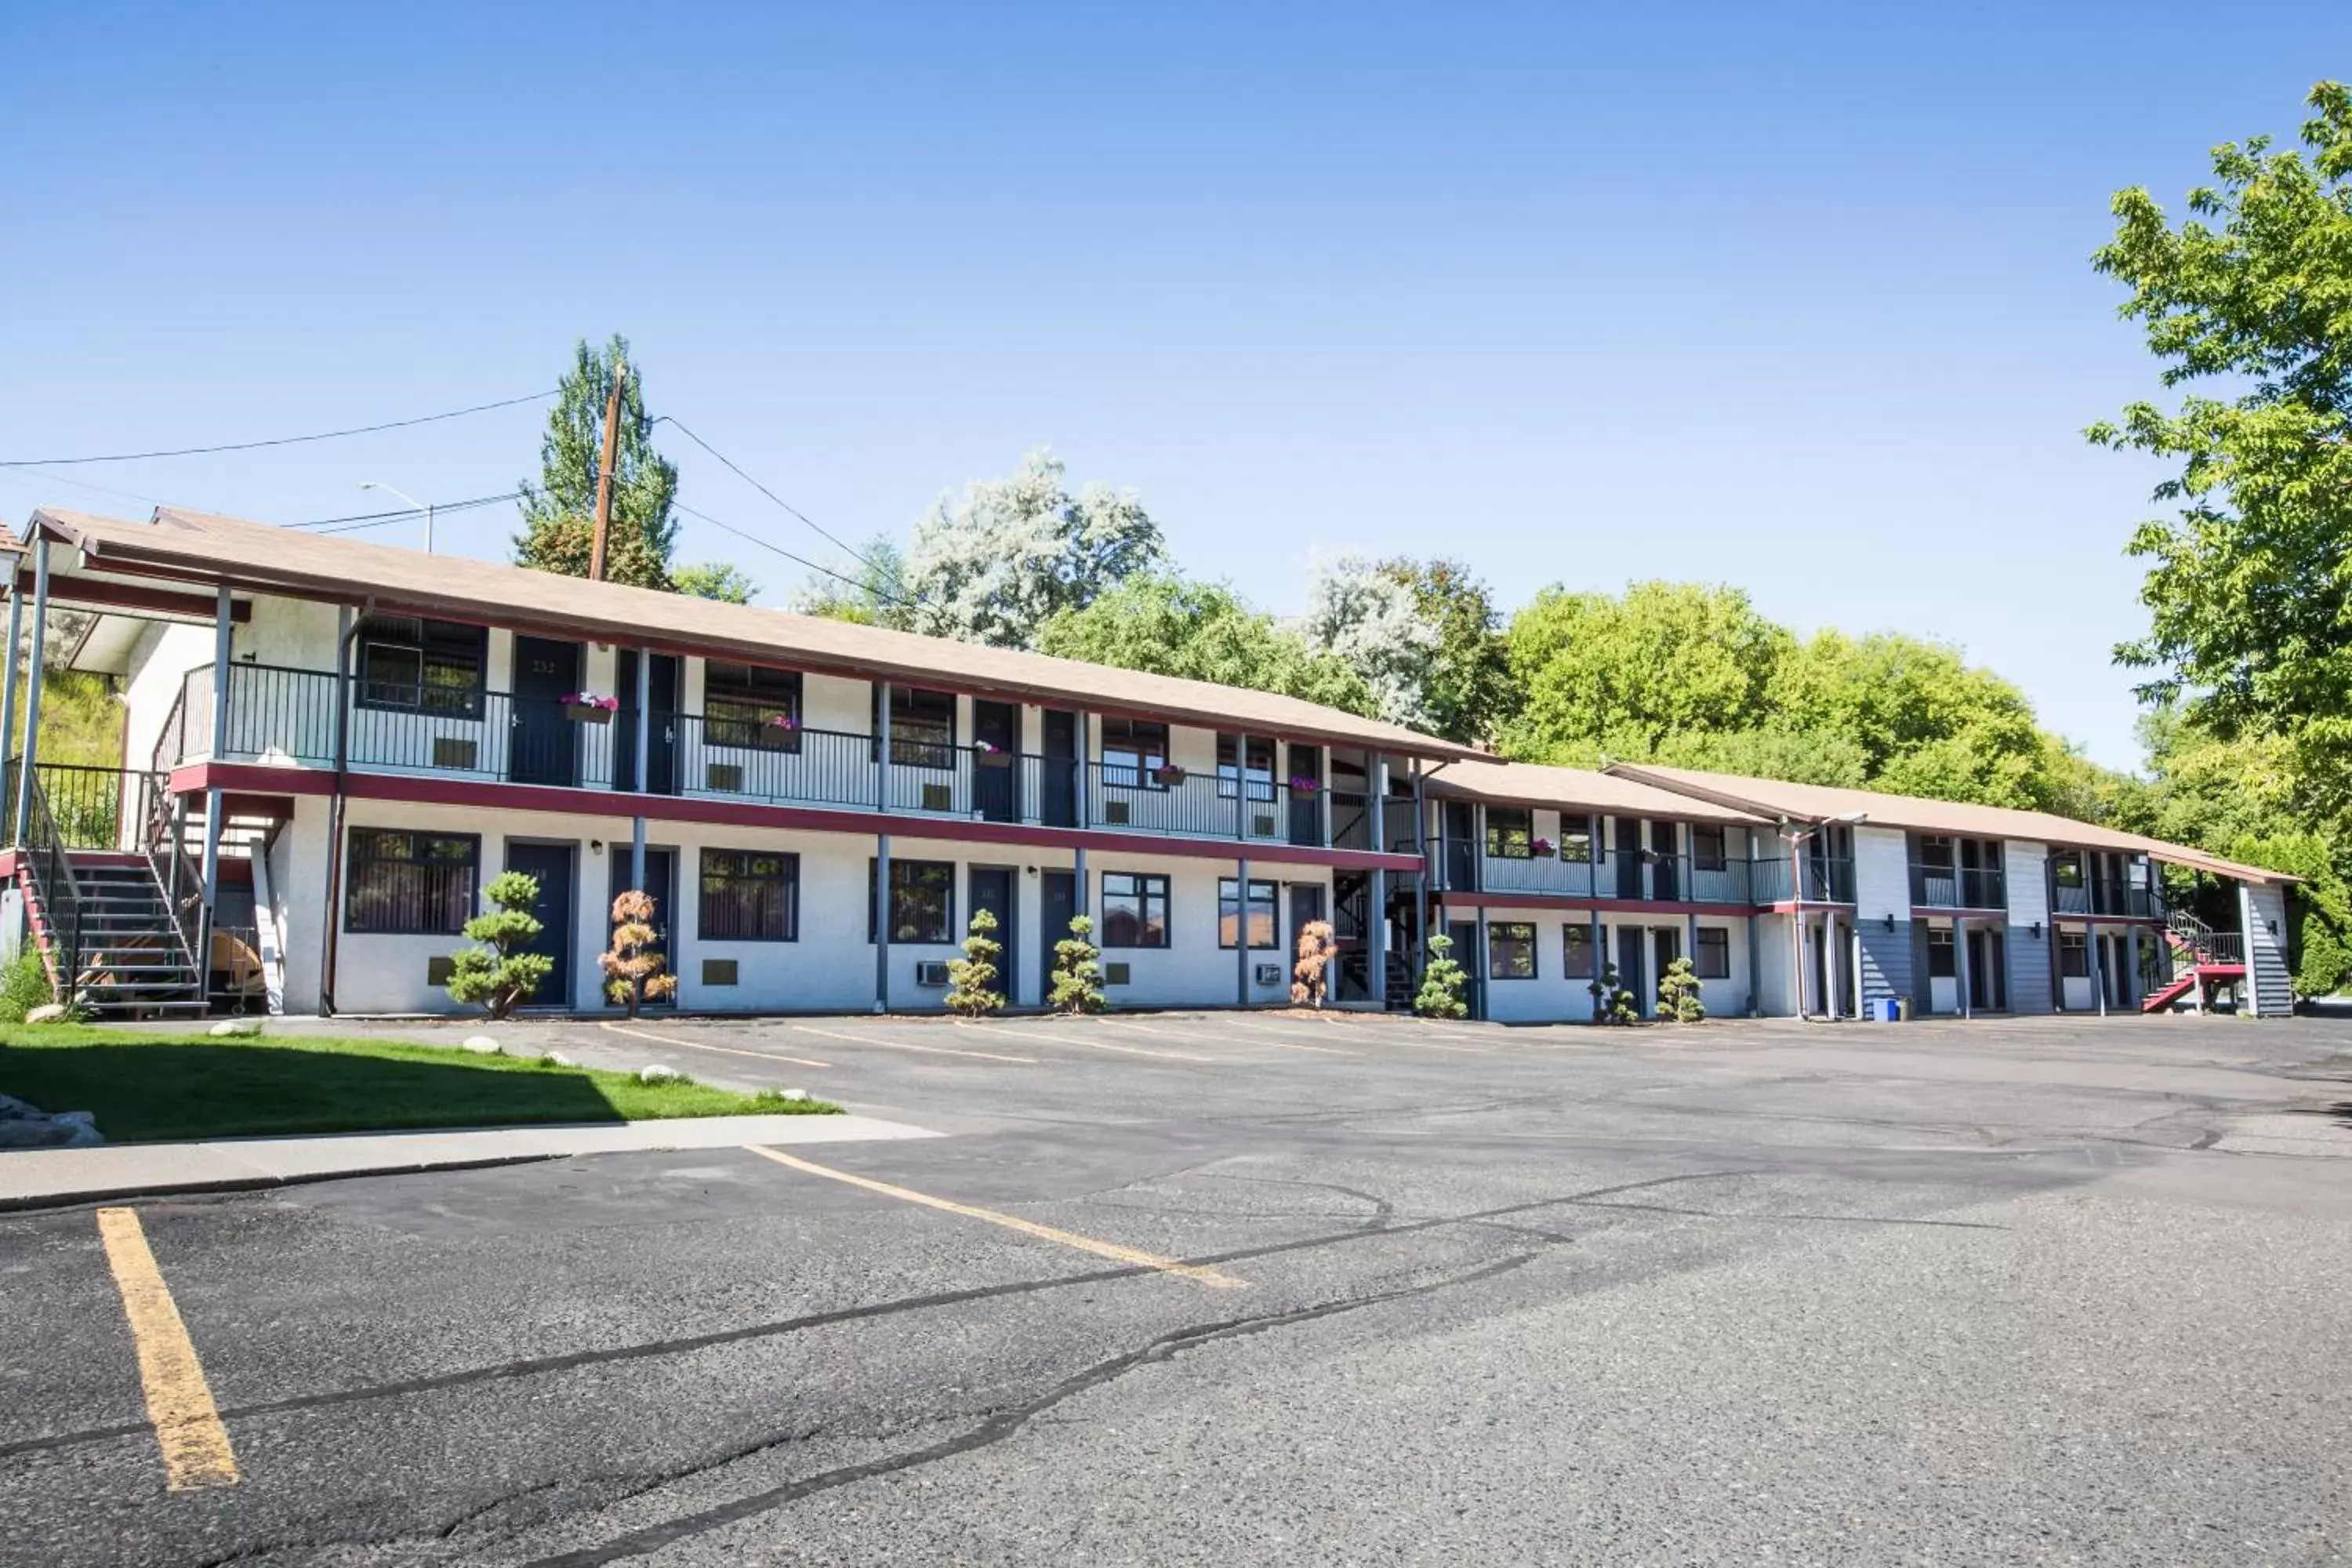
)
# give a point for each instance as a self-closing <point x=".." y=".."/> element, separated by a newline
<point x="143" y="1086"/>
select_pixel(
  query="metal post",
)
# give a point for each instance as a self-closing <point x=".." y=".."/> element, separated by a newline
<point x="1600" y="963"/>
<point x="8" y="692"/>
<point x="428" y="528"/>
<point x="1241" y="929"/>
<point x="1420" y="880"/>
<point x="1485" y="973"/>
<point x="882" y="850"/>
<point x="645" y="744"/>
<point x="1376" y="928"/>
<point x="2098" y="971"/>
<point x="1755" y="974"/>
<point x="1960" y="962"/>
<point x="2131" y="975"/>
<point x="223" y="625"/>
<point x="1086" y="776"/>
<point x="32" y="750"/>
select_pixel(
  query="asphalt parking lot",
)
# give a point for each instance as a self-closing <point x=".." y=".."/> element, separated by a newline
<point x="1266" y="1289"/>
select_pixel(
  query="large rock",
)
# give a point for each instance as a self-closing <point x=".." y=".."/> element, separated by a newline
<point x="480" y="1045"/>
<point x="47" y="1013"/>
<point x="659" y="1074"/>
<point x="228" y="1027"/>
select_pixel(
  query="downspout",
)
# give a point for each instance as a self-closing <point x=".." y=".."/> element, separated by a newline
<point x="347" y="626"/>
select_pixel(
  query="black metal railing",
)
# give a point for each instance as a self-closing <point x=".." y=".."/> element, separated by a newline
<point x="1958" y="888"/>
<point x="89" y="806"/>
<point x="1827" y="879"/>
<point x="1642" y="874"/>
<point x="2106" y="896"/>
<point x="60" y="894"/>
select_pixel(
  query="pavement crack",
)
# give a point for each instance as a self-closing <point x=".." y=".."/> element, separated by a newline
<point x="997" y="1426"/>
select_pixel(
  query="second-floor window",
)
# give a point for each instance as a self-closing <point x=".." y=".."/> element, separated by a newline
<point x="2068" y="869"/>
<point x="746" y="705"/>
<point x="1133" y="752"/>
<point x="1575" y="836"/>
<point x="1510" y="832"/>
<point x="422" y="667"/>
<point x="922" y="726"/>
<point x="1706" y="848"/>
<point x="1255" y="759"/>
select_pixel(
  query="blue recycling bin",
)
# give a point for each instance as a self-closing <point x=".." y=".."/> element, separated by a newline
<point x="1887" y="1010"/>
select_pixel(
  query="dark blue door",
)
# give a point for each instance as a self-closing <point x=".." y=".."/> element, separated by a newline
<point x="551" y="865"/>
<point x="542" y="750"/>
<point x="661" y="882"/>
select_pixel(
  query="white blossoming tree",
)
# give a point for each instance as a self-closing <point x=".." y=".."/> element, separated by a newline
<point x="995" y="566"/>
<point x="1372" y="621"/>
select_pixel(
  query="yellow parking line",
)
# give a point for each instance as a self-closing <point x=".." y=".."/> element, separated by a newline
<point x="1277" y="1045"/>
<point x="904" y="1046"/>
<point x="1056" y="1037"/>
<point x="1111" y="1249"/>
<point x="179" y="1404"/>
<point x="706" y="1045"/>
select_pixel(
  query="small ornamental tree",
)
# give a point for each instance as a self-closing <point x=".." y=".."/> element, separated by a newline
<point x="971" y="979"/>
<point x="1316" y="949"/>
<point x="633" y="966"/>
<point x="1611" y="1002"/>
<point x="1441" y="983"/>
<point x="499" y="974"/>
<point x="1077" y="977"/>
<point x="1678" y="995"/>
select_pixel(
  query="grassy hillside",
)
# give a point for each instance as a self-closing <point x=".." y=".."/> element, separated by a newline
<point x="81" y="721"/>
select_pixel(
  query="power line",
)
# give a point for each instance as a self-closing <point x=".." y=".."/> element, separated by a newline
<point x="739" y="473"/>
<point x="801" y="560"/>
<point x="276" y="441"/>
<point x="370" y="519"/>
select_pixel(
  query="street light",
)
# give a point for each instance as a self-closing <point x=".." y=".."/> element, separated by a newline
<point x="424" y="506"/>
<point x="1797" y="841"/>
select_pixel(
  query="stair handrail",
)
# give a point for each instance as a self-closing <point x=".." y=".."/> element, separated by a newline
<point x="54" y="873"/>
<point x="179" y="881"/>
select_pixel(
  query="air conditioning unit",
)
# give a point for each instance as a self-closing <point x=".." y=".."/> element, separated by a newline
<point x="437" y="970"/>
<point x="1114" y="812"/>
<point x="455" y="752"/>
<point x="1263" y="826"/>
<point x="939" y="798"/>
<point x="718" y="972"/>
<point x="724" y="776"/>
<point x="931" y="972"/>
<point x="1269" y="975"/>
<point x="1115" y="973"/>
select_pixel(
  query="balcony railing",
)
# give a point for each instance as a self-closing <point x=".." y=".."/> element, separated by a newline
<point x="1668" y="878"/>
<point x="1958" y="888"/>
<point x="289" y="716"/>
<point x="2108" y="895"/>
<point x="1827" y="879"/>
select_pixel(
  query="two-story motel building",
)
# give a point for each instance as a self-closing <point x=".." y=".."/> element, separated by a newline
<point x="330" y="747"/>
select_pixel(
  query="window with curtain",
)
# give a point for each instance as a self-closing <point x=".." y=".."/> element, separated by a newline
<point x="1134" y="910"/>
<point x="1261" y="913"/>
<point x="749" y="894"/>
<point x="1576" y="948"/>
<point x="922" y="727"/>
<point x="1510" y="833"/>
<point x="421" y="666"/>
<point x="922" y="901"/>
<point x="1510" y="949"/>
<point x="1713" y="959"/>
<point x="399" y="883"/>
<point x="750" y="705"/>
<point x="1575" y="836"/>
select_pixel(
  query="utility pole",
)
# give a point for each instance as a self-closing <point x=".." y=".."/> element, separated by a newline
<point x="604" y="473"/>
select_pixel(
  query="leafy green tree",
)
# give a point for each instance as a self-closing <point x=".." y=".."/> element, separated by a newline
<point x="971" y="979"/>
<point x="1077" y="973"/>
<point x="1620" y="675"/>
<point x="1611" y="1002"/>
<point x="499" y="973"/>
<point x="559" y="512"/>
<point x="1442" y="983"/>
<point x="1171" y="626"/>
<point x="2249" y="583"/>
<point x="715" y="580"/>
<point x="1679" y="998"/>
<point x="870" y="591"/>
<point x="1467" y="692"/>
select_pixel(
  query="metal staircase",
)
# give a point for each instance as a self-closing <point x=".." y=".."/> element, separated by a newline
<point x="2202" y="958"/>
<point x="106" y="928"/>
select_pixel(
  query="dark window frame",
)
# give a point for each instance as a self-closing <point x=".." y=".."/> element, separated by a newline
<point x="740" y="713"/>
<point x="359" y="866"/>
<point x="1514" y="838"/>
<point x="783" y="908"/>
<point x="1581" y="835"/>
<point x="1943" y="954"/>
<point x="1260" y="773"/>
<point x="2074" y="955"/>
<point x="921" y="736"/>
<point x="1520" y="939"/>
<point x="1575" y="945"/>
<point x="1713" y="943"/>
<point x="1710" y="848"/>
<point x="1129" y="754"/>
<point x="451" y="648"/>
<point x="1146" y="895"/>
<point x="939" y="876"/>
<point x="1228" y="909"/>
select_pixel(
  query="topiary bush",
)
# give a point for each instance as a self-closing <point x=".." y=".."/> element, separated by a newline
<point x="1442" y="983"/>
<point x="1678" y="995"/>
<point x="499" y="974"/>
<point x="1077" y="973"/>
<point x="971" y="979"/>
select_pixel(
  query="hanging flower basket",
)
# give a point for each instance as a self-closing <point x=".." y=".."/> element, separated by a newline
<point x="1167" y="773"/>
<point x="783" y="722"/>
<point x="587" y="707"/>
<point x="1301" y="785"/>
<point x="1541" y="845"/>
<point x="985" y="748"/>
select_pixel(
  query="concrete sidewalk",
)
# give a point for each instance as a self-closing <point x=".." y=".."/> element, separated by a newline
<point x="36" y="1178"/>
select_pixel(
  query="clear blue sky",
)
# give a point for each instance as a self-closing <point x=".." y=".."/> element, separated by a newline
<point x="1796" y="301"/>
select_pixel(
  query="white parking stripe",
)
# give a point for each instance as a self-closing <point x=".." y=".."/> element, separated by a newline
<point x="1399" y="1035"/>
<point x="706" y="1045"/>
<point x="1277" y="1045"/>
<point x="1058" y="1038"/>
<point x="905" y="1046"/>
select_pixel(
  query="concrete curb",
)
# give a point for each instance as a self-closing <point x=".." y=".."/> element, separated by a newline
<point x="47" y="1178"/>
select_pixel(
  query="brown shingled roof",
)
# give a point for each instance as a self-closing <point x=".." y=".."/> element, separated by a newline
<point x="1528" y="783"/>
<point x="261" y="558"/>
<point x="1815" y="802"/>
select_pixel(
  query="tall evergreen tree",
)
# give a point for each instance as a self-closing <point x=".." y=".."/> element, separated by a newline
<point x="559" y="511"/>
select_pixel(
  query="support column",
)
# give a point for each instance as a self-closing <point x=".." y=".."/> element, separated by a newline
<point x="1421" y="881"/>
<point x="1482" y="977"/>
<point x="1599" y="947"/>
<point x="1242" y="931"/>
<point x="1376" y="926"/>
<point x="222" y="625"/>
<point x="1831" y="980"/>
<point x="31" y="753"/>
<point x="1078" y="901"/>
<point x="1960" y="963"/>
<point x="2131" y="992"/>
<point x="1755" y="974"/>
<point x="637" y="781"/>
<point x="882" y="849"/>
<point x="8" y="682"/>
<point x="2096" y="967"/>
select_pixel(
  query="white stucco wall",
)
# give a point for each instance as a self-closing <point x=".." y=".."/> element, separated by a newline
<point x="1554" y="996"/>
